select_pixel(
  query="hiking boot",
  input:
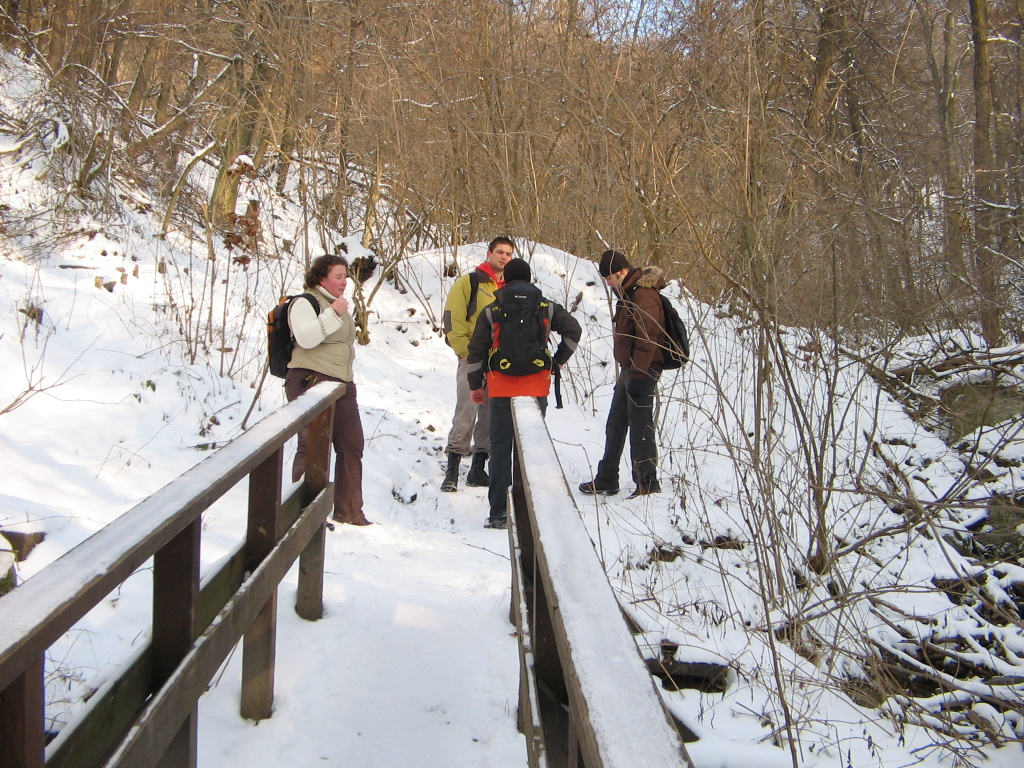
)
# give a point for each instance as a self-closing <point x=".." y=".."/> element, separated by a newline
<point x="500" y="523"/>
<point x="451" y="475"/>
<point x="599" y="487"/>
<point x="477" y="477"/>
<point x="360" y="520"/>
<point x="645" y="488"/>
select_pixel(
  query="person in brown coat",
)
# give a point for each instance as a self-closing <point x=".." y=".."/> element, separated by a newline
<point x="639" y="342"/>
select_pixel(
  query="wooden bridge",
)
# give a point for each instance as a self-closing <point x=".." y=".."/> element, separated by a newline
<point x="586" y="697"/>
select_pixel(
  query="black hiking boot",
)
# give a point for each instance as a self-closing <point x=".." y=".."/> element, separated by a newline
<point x="599" y="487"/>
<point x="645" y="488"/>
<point x="451" y="475"/>
<point x="477" y="477"/>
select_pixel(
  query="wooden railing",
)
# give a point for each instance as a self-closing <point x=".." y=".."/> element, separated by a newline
<point x="586" y="696"/>
<point x="147" y="716"/>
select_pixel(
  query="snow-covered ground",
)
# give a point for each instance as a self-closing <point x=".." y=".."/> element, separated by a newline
<point x="129" y="356"/>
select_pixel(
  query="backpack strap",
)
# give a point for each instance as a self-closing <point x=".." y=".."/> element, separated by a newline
<point x="312" y="300"/>
<point x="474" y="286"/>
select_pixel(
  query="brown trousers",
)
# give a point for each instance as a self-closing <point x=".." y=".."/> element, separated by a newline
<point x="348" y="444"/>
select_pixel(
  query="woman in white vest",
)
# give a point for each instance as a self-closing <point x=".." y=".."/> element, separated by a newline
<point x="324" y="350"/>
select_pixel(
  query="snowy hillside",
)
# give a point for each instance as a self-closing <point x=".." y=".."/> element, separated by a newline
<point x="777" y="548"/>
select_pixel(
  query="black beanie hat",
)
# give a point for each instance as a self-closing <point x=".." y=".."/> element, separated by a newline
<point x="611" y="262"/>
<point x="517" y="269"/>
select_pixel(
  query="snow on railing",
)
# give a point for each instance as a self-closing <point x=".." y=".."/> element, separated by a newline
<point x="576" y="648"/>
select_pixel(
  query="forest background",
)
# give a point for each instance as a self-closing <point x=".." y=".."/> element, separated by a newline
<point x="835" y="164"/>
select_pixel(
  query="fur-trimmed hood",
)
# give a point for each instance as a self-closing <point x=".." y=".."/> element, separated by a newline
<point x="648" y="277"/>
<point x="639" y="322"/>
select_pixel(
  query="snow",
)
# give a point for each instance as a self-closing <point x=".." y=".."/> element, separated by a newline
<point x="627" y="717"/>
<point x="104" y="402"/>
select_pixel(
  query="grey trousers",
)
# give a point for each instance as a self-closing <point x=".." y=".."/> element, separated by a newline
<point x="471" y="425"/>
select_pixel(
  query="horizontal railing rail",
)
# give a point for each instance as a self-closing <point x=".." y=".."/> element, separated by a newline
<point x="586" y="695"/>
<point x="147" y="715"/>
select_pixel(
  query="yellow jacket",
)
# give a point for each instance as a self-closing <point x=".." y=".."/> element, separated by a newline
<point x="458" y="328"/>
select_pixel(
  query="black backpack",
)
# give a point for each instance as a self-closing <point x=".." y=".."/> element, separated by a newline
<point x="677" y="352"/>
<point x="280" y="341"/>
<point x="520" y="324"/>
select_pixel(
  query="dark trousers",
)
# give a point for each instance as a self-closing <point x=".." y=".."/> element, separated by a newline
<point x="502" y="444"/>
<point x="632" y="414"/>
<point x="347" y="440"/>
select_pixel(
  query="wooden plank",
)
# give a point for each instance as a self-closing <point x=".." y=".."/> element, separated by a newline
<point x="175" y="608"/>
<point x="604" y="674"/>
<point x="264" y="506"/>
<point x="175" y="600"/>
<point x="309" y="598"/>
<point x="530" y="724"/>
<point x="39" y="611"/>
<point x="259" y="646"/>
<point x="318" y="452"/>
<point x="258" y="663"/>
<point x="22" y="741"/>
<point x="157" y="724"/>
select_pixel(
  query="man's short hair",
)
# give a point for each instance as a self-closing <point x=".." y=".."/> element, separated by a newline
<point x="501" y="239"/>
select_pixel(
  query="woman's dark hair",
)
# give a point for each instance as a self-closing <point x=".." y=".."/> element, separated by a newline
<point x="321" y="266"/>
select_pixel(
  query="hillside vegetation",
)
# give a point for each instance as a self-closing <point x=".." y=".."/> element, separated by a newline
<point x="832" y="165"/>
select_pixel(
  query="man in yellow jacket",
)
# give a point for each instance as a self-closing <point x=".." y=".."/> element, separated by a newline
<point x="470" y="432"/>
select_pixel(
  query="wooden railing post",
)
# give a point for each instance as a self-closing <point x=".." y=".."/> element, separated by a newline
<point x="309" y="601"/>
<point x="22" y="742"/>
<point x="260" y="643"/>
<point x="175" y="606"/>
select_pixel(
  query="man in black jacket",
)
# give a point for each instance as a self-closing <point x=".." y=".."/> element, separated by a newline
<point x="502" y="387"/>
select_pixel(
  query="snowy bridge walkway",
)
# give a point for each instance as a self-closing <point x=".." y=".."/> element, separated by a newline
<point x="585" y="696"/>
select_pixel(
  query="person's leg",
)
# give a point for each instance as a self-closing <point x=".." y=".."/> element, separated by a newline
<point x="466" y="415"/>
<point x="615" y="431"/>
<point x="295" y="383"/>
<point x="348" y="462"/>
<point x="502" y="438"/>
<point x="643" y="444"/>
<point x="482" y="428"/>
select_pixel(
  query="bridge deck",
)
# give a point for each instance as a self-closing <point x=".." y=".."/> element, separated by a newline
<point x="414" y="662"/>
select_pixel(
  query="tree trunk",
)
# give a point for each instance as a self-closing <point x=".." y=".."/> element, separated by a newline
<point x="830" y="44"/>
<point x="58" y="22"/>
<point x="942" y="66"/>
<point x="986" y="182"/>
<point x="239" y="139"/>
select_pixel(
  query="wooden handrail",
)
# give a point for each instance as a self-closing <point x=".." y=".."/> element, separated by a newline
<point x="576" y="650"/>
<point x="586" y="697"/>
<point x="166" y="527"/>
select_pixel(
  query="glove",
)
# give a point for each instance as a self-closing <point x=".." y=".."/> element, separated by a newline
<point x="477" y="396"/>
